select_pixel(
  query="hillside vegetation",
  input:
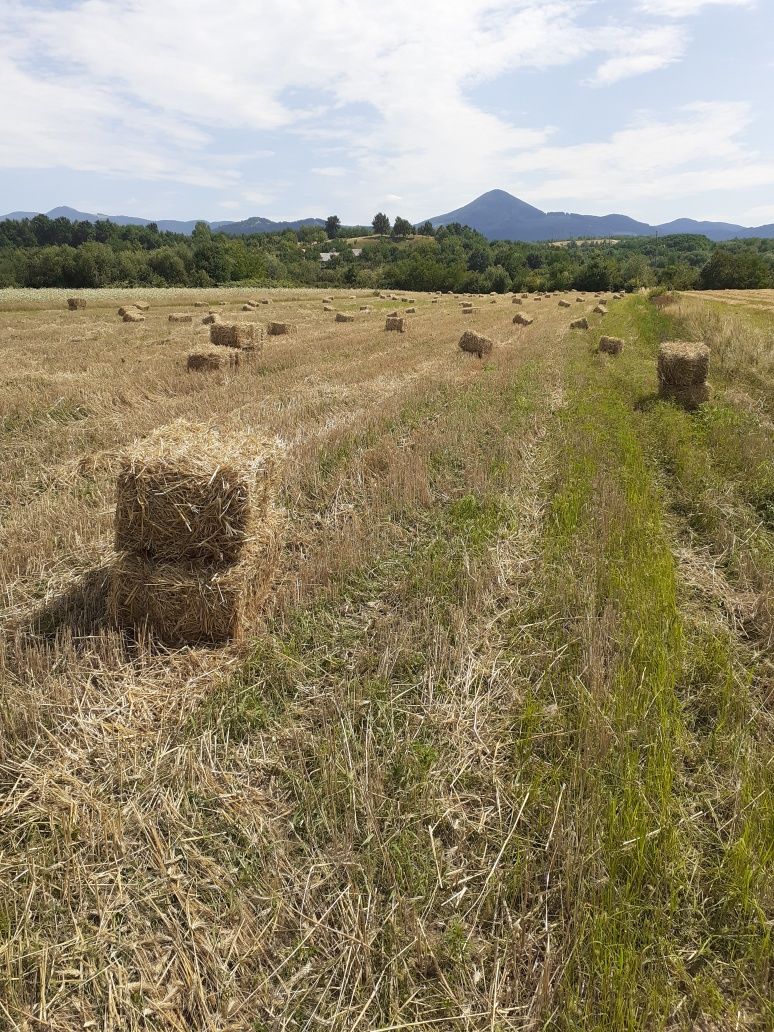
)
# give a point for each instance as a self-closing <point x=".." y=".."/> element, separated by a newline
<point x="500" y="755"/>
<point x="42" y="252"/>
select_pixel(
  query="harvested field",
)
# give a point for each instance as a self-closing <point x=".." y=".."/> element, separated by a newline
<point x="485" y="740"/>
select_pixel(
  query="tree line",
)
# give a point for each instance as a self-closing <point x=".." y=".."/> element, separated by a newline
<point x="42" y="252"/>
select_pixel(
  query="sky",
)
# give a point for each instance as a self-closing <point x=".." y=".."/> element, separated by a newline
<point x="296" y="108"/>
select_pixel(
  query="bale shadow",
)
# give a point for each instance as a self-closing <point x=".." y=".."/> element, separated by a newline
<point x="80" y="609"/>
<point x="647" y="402"/>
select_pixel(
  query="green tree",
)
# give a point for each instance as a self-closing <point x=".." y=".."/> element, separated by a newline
<point x="332" y="224"/>
<point x="402" y="228"/>
<point x="426" y="229"/>
<point x="381" y="224"/>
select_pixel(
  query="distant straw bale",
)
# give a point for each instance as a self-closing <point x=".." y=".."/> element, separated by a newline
<point x="564" y="304"/>
<point x="279" y="329"/>
<point x="180" y="317"/>
<point x="127" y="308"/>
<point x="410" y="311"/>
<point x="466" y="304"/>
<point x="235" y="335"/>
<point x="611" y="345"/>
<point x="131" y="316"/>
<point x="141" y="306"/>
<point x="210" y="361"/>
<point x="396" y="323"/>
<point x="470" y="311"/>
<point x="682" y="372"/>
<point x="599" y="310"/>
<point x="342" y="317"/>
<point x="74" y="303"/>
<point x="580" y="300"/>
<point x="189" y="602"/>
<point x="327" y="300"/>
<point x="247" y="308"/>
<point x="364" y="308"/>
<point x="190" y="492"/>
<point x="327" y="308"/>
<point x="208" y="320"/>
<point x="475" y="343"/>
<point x="516" y="301"/>
<point x="200" y="304"/>
<point x="579" y="324"/>
<point x="523" y="320"/>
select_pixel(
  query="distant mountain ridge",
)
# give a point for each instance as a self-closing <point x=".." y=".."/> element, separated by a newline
<point x="496" y="214"/>
<point x="251" y="225"/>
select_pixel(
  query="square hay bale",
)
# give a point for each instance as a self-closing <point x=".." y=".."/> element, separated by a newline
<point x="523" y="320"/>
<point x="516" y="301"/>
<point x="682" y="372"/>
<point x="211" y="360"/>
<point x="130" y="316"/>
<point x="466" y="304"/>
<point x="180" y="317"/>
<point x="327" y="300"/>
<point x="564" y="304"/>
<point x="190" y="602"/>
<point x="395" y="322"/>
<point x="74" y="303"/>
<point x="126" y="308"/>
<point x="327" y="308"/>
<point x="475" y="343"/>
<point x="525" y="294"/>
<point x="141" y="306"/>
<point x="208" y="320"/>
<point x="611" y="345"/>
<point x="279" y="329"/>
<point x="342" y="317"/>
<point x="264" y="301"/>
<point x="200" y="304"/>
<point x="599" y="310"/>
<point x="234" y="335"/>
<point x="190" y="492"/>
<point x="434" y="301"/>
<point x="579" y="324"/>
<point x="470" y="311"/>
<point x="579" y="300"/>
<point x="247" y="308"/>
<point x="364" y="308"/>
<point x="411" y="311"/>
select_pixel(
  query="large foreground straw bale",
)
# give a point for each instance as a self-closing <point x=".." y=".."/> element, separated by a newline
<point x="233" y="335"/>
<point x="192" y="492"/>
<point x="181" y="317"/>
<point x="188" y="602"/>
<point x="395" y="322"/>
<point x="682" y="372"/>
<point x="209" y="361"/>
<point x="475" y="344"/>
<point x="74" y="303"/>
<point x="611" y="345"/>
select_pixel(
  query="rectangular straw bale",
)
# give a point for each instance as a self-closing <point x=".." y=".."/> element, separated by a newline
<point x="74" y="303"/>
<point x="141" y="306"/>
<point x="682" y="372"/>
<point x="130" y="316"/>
<point x="212" y="360"/>
<point x="180" y="317"/>
<point x="190" y="602"/>
<point x="611" y="345"/>
<point x="394" y="322"/>
<point x="342" y="317"/>
<point x="190" y="491"/>
<point x="278" y="329"/>
<point x="234" y="335"/>
<point x="522" y="320"/>
<point x="579" y="324"/>
<point x="475" y="344"/>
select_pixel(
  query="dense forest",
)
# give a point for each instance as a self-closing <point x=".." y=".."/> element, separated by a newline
<point x="42" y="252"/>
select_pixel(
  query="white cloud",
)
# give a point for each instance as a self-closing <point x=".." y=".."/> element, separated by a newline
<point x="685" y="8"/>
<point x="375" y="97"/>
<point x="698" y="152"/>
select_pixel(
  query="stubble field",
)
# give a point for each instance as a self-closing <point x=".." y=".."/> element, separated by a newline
<point x="499" y="752"/>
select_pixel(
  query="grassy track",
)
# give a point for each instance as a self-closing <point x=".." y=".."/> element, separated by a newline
<point x="499" y="758"/>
